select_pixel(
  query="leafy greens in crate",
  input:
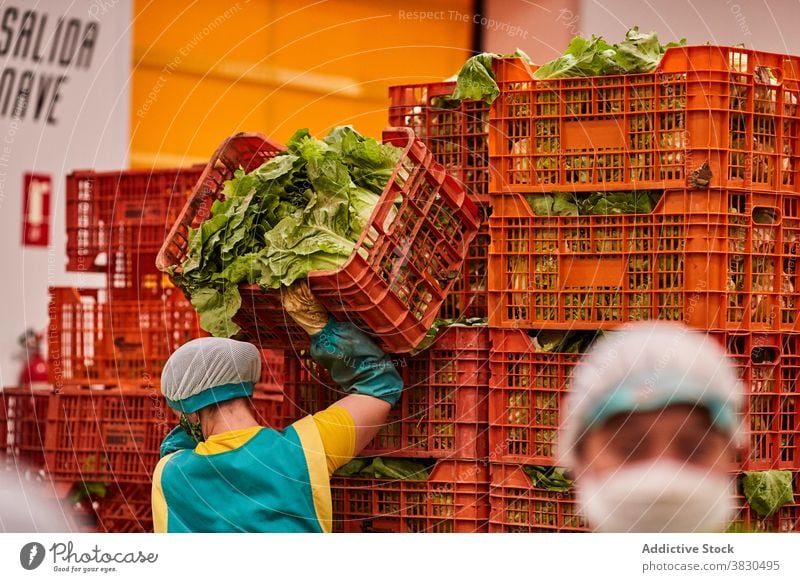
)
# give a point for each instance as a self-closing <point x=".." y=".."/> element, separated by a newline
<point x="301" y="211"/>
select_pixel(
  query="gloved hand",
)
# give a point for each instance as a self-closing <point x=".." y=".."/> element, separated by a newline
<point x="355" y="362"/>
<point x="303" y="307"/>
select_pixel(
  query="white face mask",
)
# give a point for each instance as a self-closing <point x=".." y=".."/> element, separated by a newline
<point x="658" y="496"/>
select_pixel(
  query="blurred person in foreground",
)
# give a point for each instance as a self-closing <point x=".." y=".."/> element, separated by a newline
<point x="27" y="506"/>
<point x="651" y="429"/>
<point x="222" y="472"/>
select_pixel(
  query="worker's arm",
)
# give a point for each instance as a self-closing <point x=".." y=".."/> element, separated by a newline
<point x="337" y="428"/>
<point x="359" y="366"/>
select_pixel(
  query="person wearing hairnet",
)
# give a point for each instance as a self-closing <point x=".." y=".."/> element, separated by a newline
<point x="222" y="472"/>
<point x="650" y="431"/>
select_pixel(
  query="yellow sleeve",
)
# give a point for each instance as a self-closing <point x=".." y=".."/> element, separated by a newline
<point x="158" y="501"/>
<point x="338" y="433"/>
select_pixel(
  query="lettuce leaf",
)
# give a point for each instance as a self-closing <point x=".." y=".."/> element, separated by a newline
<point x="768" y="491"/>
<point x="594" y="57"/>
<point x="476" y="82"/>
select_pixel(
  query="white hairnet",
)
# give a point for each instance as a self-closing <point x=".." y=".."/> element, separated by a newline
<point x="209" y="370"/>
<point x="647" y="366"/>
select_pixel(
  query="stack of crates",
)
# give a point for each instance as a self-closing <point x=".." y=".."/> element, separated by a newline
<point x="105" y="419"/>
<point x="713" y="133"/>
<point x="441" y="420"/>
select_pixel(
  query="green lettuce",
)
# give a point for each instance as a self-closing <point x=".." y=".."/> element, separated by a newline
<point x="301" y="211"/>
<point x="379" y="468"/>
<point x="594" y="57"/>
<point x="550" y="478"/>
<point x="593" y="203"/>
<point x="768" y="491"/>
<point x="476" y="81"/>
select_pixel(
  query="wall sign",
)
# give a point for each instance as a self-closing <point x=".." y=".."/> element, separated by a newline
<point x="36" y="210"/>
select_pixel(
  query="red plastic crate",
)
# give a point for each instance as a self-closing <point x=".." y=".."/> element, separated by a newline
<point x="132" y="275"/>
<point x="469" y="296"/>
<point x="125" y="342"/>
<point x="715" y="259"/>
<point x="519" y="507"/>
<point x="402" y="268"/>
<point x="272" y="371"/>
<point x="702" y="105"/>
<point x="788" y="519"/>
<point x="268" y="406"/>
<point x="126" y="508"/>
<point x="455" y="132"/>
<point x="442" y="412"/>
<point x="527" y="389"/>
<point x="769" y="365"/>
<point x="135" y="206"/>
<point x="454" y="499"/>
<point x="22" y="426"/>
<point x="107" y="436"/>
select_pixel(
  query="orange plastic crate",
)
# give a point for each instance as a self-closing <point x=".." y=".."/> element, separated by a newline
<point x="735" y="110"/>
<point x="527" y="390"/>
<point x="402" y="268"/>
<point x="519" y="507"/>
<point x="22" y="426"/>
<point x="456" y="134"/>
<point x="126" y="508"/>
<point x="96" y="341"/>
<point x="442" y="412"/>
<point x="106" y="436"/>
<point x="469" y="296"/>
<point x="454" y="499"/>
<point x="715" y="259"/>
<point x="134" y="206"/>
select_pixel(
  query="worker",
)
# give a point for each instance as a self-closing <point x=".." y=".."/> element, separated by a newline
<point x="650" y="431"/>
<point x="222" y="472"/>
<point x="28" y="505"/>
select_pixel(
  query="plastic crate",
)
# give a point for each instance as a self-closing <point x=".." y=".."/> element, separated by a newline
<point x="106" y="436"/>
<point x="788" y="516"/>
<point x="519" y="507"/>
<point x="455" y="132"/>
<point x="96" y="341"/>
<point x="134" y="206"/>
<point x="454" y="499"/>
<point x="22" y="426"/>
<point x="769" y="365"/>
<point x="401" y="269"/>
<point x="132" y="275"/>
<point x="272" y="371"/>
<point x="469" y="296"/>
<point x="527" y="389"/>
<point x="715" y="259"/>
<point x="525" y="398"/>
<point x="442" y="412"/>
<point x="268" y="408"/>
<point x="126" y="508"/>
<point x="735" y="110"/>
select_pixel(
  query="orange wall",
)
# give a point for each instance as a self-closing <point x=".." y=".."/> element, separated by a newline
<point x="205" y="69"/>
